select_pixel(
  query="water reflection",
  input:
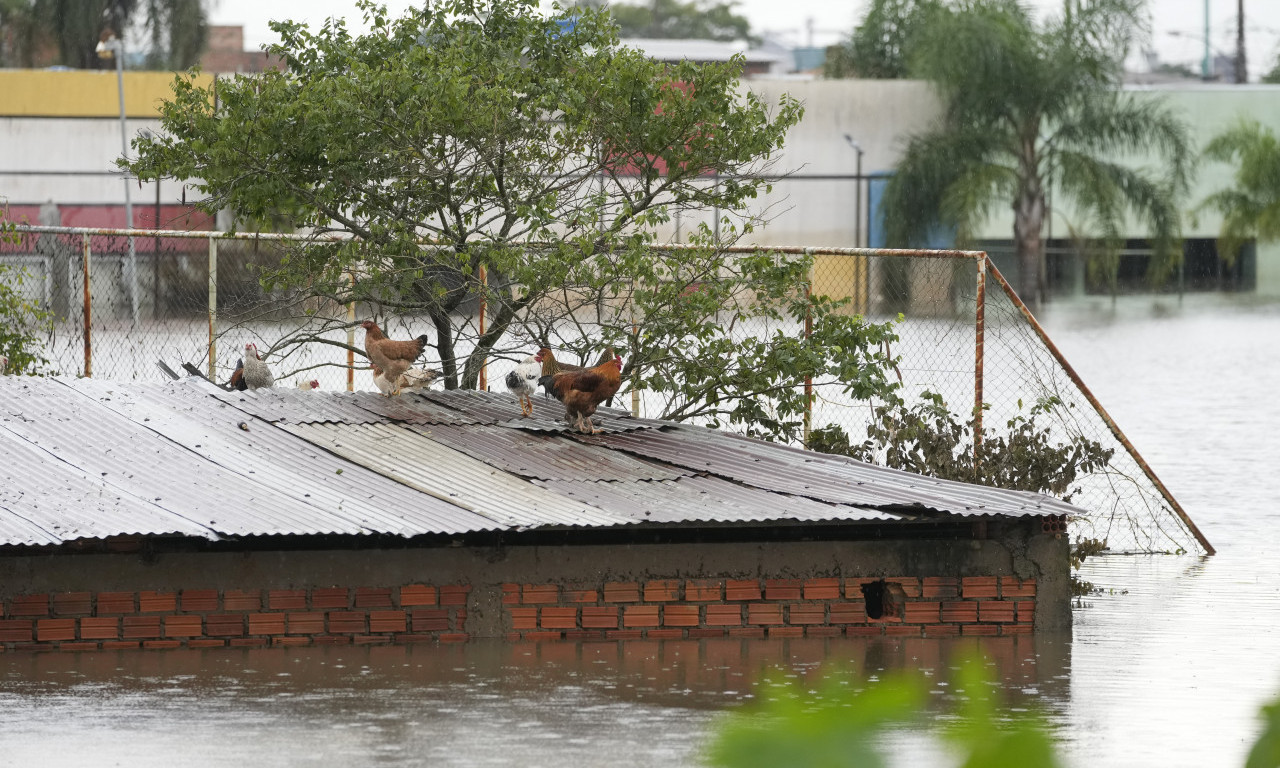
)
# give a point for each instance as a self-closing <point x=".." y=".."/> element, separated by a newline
<point x="483" y="703"/>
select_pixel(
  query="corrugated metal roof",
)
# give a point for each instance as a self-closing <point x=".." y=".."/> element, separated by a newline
<point x="820" y="476"/>
<point x="411" y="458"/>
<point x="295" y="406"/>
<point x="92" y="459"/>
<point x="706" y="499"/>
<point x="347" y="498"/>
<point x="545" y="457"/>
<point x="65" y="503"/>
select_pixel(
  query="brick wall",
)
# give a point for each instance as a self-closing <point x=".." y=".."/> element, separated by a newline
<point x="209" y="618"/>
<point x="817" y="607"/>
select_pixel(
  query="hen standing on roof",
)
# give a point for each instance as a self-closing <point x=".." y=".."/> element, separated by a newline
<point x="581" y="391"/>
<point x="393" y="358"/>
<point x="523" y="381"/>
<point x="256" y="373"/>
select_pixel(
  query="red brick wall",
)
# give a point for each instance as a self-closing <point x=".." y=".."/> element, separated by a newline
<point x="819" y="607"/>
<point x="208" y="618"/>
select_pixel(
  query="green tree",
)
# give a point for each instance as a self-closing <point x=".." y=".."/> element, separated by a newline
<point x="880" y="47"/>
<point x="697" y="19"/>
<point x="533" y="150"/>
<point x="1026" y="105"/>
<point x="1250" y="208"/>
<point x="22" y="321"/>
<point x="1273" y="76"/>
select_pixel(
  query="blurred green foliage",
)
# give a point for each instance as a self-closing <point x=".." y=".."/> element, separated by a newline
<point x="21" y="321"/>
<point x="843" y="721"/>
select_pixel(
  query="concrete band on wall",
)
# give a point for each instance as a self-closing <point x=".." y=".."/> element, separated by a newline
<point x="1012" y="583"/>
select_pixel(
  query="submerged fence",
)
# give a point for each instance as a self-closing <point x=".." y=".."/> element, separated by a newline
<point x="124" y="299"/>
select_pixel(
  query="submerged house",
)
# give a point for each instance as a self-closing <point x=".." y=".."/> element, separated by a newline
<point x="180" y="515"/>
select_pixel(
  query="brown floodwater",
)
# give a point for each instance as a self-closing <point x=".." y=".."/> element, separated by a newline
<point x="1167" y="666"/>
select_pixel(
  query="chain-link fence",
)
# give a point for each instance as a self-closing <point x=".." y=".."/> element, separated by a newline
<point x="195" y="299"/>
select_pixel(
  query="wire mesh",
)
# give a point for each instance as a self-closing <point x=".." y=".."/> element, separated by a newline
<point x="149" y="299"/>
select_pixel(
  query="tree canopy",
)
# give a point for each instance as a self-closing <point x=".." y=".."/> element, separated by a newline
<point x="1251" y="207"/>
<point x="476" y="150"/>
<point x="880" y="47"/>
<point x="697" y="19"/>
<point x="1028" y="106"/>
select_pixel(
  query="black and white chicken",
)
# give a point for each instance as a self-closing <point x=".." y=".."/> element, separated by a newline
<point x="523" y="381"/>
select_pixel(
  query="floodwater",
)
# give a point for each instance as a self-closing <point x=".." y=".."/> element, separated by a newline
<point x="1167" y="666"/>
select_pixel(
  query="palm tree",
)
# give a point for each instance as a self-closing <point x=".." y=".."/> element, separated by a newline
<point x="1252" y="207"/>
<point x="1025" y="104"/>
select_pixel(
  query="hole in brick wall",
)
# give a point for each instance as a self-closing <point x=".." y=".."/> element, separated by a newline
<point x="883" y="600"/>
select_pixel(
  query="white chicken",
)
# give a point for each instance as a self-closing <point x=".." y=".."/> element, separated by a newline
<point x="414" y="378"/>
<point x="256" y="373"/>
<point x="307" y="386"/>
<point x="523" y="381"/>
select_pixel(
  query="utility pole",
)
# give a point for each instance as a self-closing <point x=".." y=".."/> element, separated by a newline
<point x="1206" y="66"/>
<point x="1242" y="69"/>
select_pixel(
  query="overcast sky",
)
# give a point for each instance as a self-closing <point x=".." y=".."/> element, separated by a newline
<point x="1178" y="25"/>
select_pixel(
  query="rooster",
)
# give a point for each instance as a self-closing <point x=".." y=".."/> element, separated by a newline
<point x="551" y="366"/>
<point x="4" y="365"/>
<point x="393" y="358"/>
<point x="523" y="381"/>
<point x="581" y="391"/>
<point x="414" y="378"/>
<point x="236" y="382"/>
<point x="307" y="386"/>
<point x="257" y="375"/>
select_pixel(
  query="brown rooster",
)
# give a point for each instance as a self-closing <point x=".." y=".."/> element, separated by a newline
<point x="392" y="357"/>
<point x="583" y="390"/>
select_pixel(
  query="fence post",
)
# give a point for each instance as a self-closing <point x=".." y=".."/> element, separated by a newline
<point x="88" y="312"/>
<point x="482" y="383"/>
<point x="351" y="334"/>
<point x="979" y="341"/>
<point x="213" y="308"/>
<point x="808" y="332"/>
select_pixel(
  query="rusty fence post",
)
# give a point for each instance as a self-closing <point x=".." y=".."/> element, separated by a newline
<point x="808" y="333"/>
<point x="88" y="312"/>
<point x="482" y="383"/>
<point x="213" y="308"/>
<point x="979" y="343"/>
<point x="351" y="334"/>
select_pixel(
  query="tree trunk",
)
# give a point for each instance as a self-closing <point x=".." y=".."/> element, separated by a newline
<point x="444" y="346"/>
<point x="1028" y="223"/>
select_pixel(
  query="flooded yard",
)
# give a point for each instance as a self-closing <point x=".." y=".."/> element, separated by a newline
<point x="1166" y="666"/>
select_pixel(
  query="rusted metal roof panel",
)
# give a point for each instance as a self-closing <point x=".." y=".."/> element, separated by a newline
<point x="492" y="407"/>
<point x="976" y="499"/>
<point x="818" y="476"/>
<point x="345" y="497"/>
<point x="544" y="456"/>
<point x="706" y="499"/>
<point x="415" y="460"/>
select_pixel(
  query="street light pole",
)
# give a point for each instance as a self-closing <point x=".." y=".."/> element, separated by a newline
<point x="113" y="47"/>
<point x="857" y="219"/>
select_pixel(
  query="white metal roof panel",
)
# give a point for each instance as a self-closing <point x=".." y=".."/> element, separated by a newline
<point x="346" y="497"/>
<point x="134" y="460"/>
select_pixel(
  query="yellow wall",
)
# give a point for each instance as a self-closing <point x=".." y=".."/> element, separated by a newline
<point x="82" y="93"/>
